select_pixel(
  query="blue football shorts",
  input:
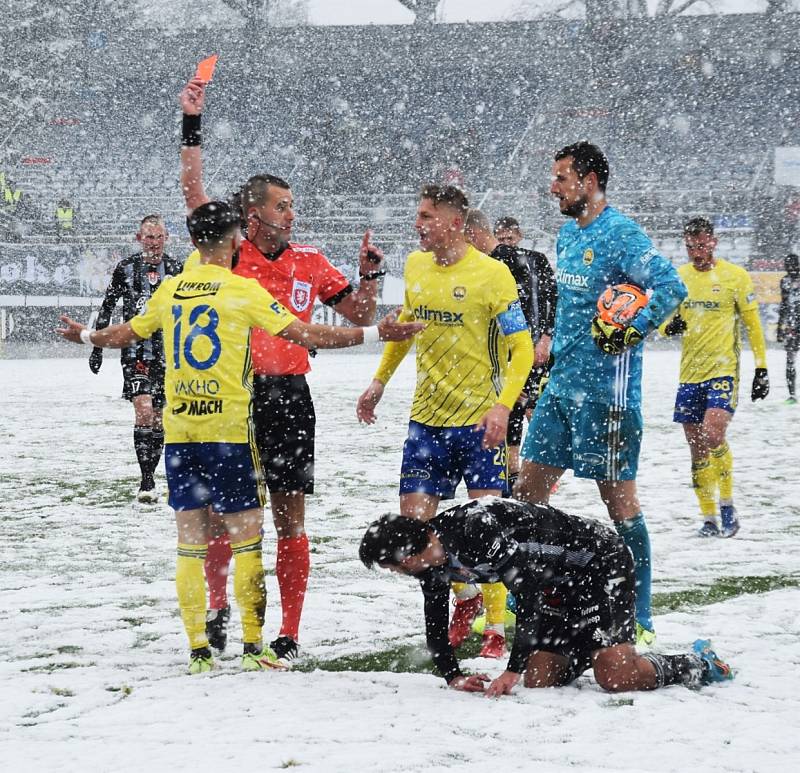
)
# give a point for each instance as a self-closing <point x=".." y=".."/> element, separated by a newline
<point x="226" y="476"/>
<point x="436" y="459"/>
<point x="693" y="400"/>
<point x="595" y="440"/>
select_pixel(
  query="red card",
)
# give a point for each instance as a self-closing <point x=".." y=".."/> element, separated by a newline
<point x="205" y="70"/>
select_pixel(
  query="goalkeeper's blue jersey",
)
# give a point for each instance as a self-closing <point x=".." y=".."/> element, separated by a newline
<point x="611" y="250"/>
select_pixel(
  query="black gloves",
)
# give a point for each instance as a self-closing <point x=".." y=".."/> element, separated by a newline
<point x="614" y="340"/>
<point x="676" y="326"/>
<point x="760" y="385"/>
<point x="96" y="359"/>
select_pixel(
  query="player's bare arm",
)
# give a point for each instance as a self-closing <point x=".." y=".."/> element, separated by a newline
<point x="359" y="306"/>
<point x="192" y="100"/>
<point x="114" y="337"/>
<point x="326" y="337"/>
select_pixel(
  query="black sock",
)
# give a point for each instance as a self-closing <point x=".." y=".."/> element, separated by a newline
<point x="509" y="490"/>
<point x="790" y="374"/>
<point x="677" y="669"/>
<point x="142" y="442"/>
<point x="156" y="447"/>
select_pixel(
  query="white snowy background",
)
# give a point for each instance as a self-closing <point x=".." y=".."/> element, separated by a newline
<point x="93" y="655"/>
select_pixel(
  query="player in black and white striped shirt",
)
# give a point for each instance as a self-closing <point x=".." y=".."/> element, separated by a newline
<point x="573" y="581"/>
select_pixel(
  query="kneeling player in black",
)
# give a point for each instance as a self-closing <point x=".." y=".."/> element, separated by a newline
<point x="574" y="585"/>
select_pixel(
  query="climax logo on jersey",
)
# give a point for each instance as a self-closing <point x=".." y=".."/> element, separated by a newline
<point x="707" y="305"/>
<point x="588" y="256"/>
<point x="459" y="293"/>
<point x="437" y="315"/>
<point x="573" y="281"/>
<point x="301" y="295"/>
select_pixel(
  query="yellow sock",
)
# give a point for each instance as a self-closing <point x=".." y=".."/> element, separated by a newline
<point x="704" y="480"/>
<point x="494" y="600"/>
<point x="722" y="460"/>
<point x="190" y="582"/>
<point x="249" y="588"/>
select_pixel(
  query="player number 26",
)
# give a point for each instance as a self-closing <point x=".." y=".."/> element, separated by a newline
<point x="196" y="331"/>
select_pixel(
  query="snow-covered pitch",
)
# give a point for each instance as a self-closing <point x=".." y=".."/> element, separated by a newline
<point x="93" y="654"/>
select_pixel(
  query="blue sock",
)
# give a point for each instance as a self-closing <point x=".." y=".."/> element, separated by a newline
<point x="634" y="534"/>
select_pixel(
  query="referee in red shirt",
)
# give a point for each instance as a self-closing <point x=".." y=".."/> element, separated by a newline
<point x="283" y="411"/>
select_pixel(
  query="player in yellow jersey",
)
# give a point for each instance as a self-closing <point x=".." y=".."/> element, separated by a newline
<point x="466" y="383"/>
<point x="206" y="314"/>
<point x="720" y="296"/>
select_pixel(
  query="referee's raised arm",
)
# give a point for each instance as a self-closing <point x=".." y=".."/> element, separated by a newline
<point x="192" y="99"/>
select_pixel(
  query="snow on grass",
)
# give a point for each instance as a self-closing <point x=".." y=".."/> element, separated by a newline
<point x="92" y="651"/>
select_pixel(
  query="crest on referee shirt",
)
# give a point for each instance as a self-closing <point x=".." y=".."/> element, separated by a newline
<point x="301" y="295"/>
<point x="588" y="256"/>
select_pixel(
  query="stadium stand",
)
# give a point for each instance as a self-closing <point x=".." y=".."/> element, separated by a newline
<point x="358" y="117"/>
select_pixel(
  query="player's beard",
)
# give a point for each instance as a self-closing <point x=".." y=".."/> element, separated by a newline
<point x="576" y="208"/>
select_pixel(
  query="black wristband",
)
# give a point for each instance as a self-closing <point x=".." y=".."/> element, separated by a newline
<point x="373" y="275"/>
<point x="192" y="134"/>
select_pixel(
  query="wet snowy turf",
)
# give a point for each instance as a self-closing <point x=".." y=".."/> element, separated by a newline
<point x="92" y="651"/>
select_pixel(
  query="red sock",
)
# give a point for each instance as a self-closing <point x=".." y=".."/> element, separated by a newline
<point x="292" y="568"/>
<point x="217" y="566"/>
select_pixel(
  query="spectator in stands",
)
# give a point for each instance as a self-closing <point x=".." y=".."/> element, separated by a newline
<point x="134" y="281"/>
<point x="11" y="196"/>
<point x="507" y="231"/>
<point x="65" y="219"/>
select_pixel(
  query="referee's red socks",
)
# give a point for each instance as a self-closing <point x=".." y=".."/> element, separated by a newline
<point x="292" y="568"/>
<point x="216" y="568"/>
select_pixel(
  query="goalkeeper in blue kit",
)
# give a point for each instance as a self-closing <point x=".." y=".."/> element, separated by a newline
<point x="589" y="418"/>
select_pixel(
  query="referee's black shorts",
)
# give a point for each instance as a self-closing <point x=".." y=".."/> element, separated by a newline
<point x="285" y="423"/>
